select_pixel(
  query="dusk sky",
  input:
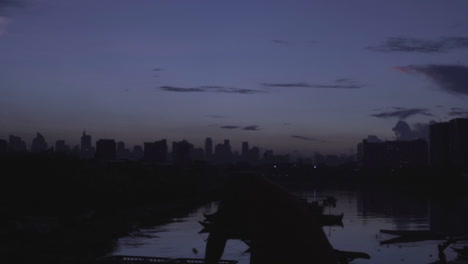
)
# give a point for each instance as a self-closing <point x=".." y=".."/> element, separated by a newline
<point x="292" y="76"/>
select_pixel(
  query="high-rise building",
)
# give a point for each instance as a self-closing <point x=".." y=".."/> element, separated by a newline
<point x="86" y="149"/>
<point x="181" y="152"/>
<point x="245" y="150"/>
<point x="439" y="147"/>
<point x="449" y="143"/>
<point x="223" y="153"/>
<point x="395" y="154"/>
<point x="458" y="142"/>
<point x="122" y="152"/>
<point x="16" y="144"/>
<point x="105" y="149"/>
<point x="3" y="146"/>
<point x="208" y="149"/>
<point x="85" y="142"/>
<point x="39" y="144"/>
<point x="138" y="153"/>
<point x="61" y="147"/>
<point x="155" y="151"/>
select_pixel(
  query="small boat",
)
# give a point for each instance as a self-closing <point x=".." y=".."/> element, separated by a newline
<point x="118" y="259"/>
<point x="462" y="252"/>
<point x="414" y="233"/>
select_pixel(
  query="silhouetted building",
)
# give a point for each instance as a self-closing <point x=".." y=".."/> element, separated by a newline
<point x="197" y="154"/>
<point x="223" y="153"/>
<point x="449" y="143"/>
<point x="439" y="145"/>
<point x="105" y="149"/>
<point x="39" y="144"/>
<point x="3" y="146"/>
<point x="395" y="154"/>
<point x="122" y="152"/>
<point x="181" y="152"/>
<point x="61" y="147"/>
<point x="208" y="149"/>
<point x="16" y="144"/>
<point x="268" y="155"/>
<point x="254" y="155"/>
<point x="319" y="158"/>
<point x="156" y="151"/>
<point x="86" y="150"/>
<point x="245" y="150"/>
<point x="138" y="153"/>
<point x="458" y="142"/>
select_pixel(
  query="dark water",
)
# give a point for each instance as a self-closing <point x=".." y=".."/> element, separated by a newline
<point x="365" y="213"/>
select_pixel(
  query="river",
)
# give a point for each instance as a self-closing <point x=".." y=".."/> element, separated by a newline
<point x="365" y="214"/>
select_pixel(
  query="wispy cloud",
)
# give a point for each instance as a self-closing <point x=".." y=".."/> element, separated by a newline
<point x="450" y="78"/>
<point x="251" y="128"/>
<point x="212" y="89"/>
<point x="3" y="24"/>
<point x="406" y="44"/>
<point x="303" y="138"/>
<point x="229" y="127"/>
<point x="403" y="114"/>
<point x="157" y="69"/>
<point x="342" y="83"/>
<point x="455" y="111"/>
<point x="247" y="128"/>
<point x="282" y="42"/>
<point x="180" y="90"/>
<point x="5" y="6"/>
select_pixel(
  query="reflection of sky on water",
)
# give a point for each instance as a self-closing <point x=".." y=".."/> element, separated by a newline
<point x="364" y="215"/>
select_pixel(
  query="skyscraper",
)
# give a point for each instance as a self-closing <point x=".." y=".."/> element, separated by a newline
<point x="245" y="150"/>
<point x="181" y="152"/>
<point x="39" y="144"/>
<point x="86" y="151"/>
<point x="439" y="147"/>
<point x="156" y="151"/>
<point x="60" y="147"/>
<point x="208" y="148"/>
<point x="449" y="143"/>
<point x="85" y="142"/>
<point x="16" y="144"/>
<point x="105" y="149"/>
<point x="3" y="146"/>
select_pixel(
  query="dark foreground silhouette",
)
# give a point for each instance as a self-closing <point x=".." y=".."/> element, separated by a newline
<point x="278" y="227"/>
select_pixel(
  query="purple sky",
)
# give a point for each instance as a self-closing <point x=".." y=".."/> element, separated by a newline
<point x="287" y="75"/>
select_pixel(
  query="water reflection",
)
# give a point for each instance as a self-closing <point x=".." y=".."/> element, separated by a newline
<point x="365" y="214"/>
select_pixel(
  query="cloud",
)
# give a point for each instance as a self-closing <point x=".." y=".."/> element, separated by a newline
<point x="303" y="138"/>
<point x="157" y="69"/>
<point x="180" y="90"/>
<point x="229" y="127"/>
<point x="238" y="91"/>
<point x="403" y="114"/>
<point x="405" y="44"/>
<point x="450" y="78"/>
<point x="251" y="128"/>
<point x="282" y="42"/>
<point x="342" y="83"/>
<point x="213" y="89"/>
<point x="5" y="5"/>
<point x="404" y="132"/>
<point x="3" y="23"/>
<point x="458" y="112"/>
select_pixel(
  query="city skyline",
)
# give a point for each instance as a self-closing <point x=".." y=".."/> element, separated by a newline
<point x="298" y="77"/>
